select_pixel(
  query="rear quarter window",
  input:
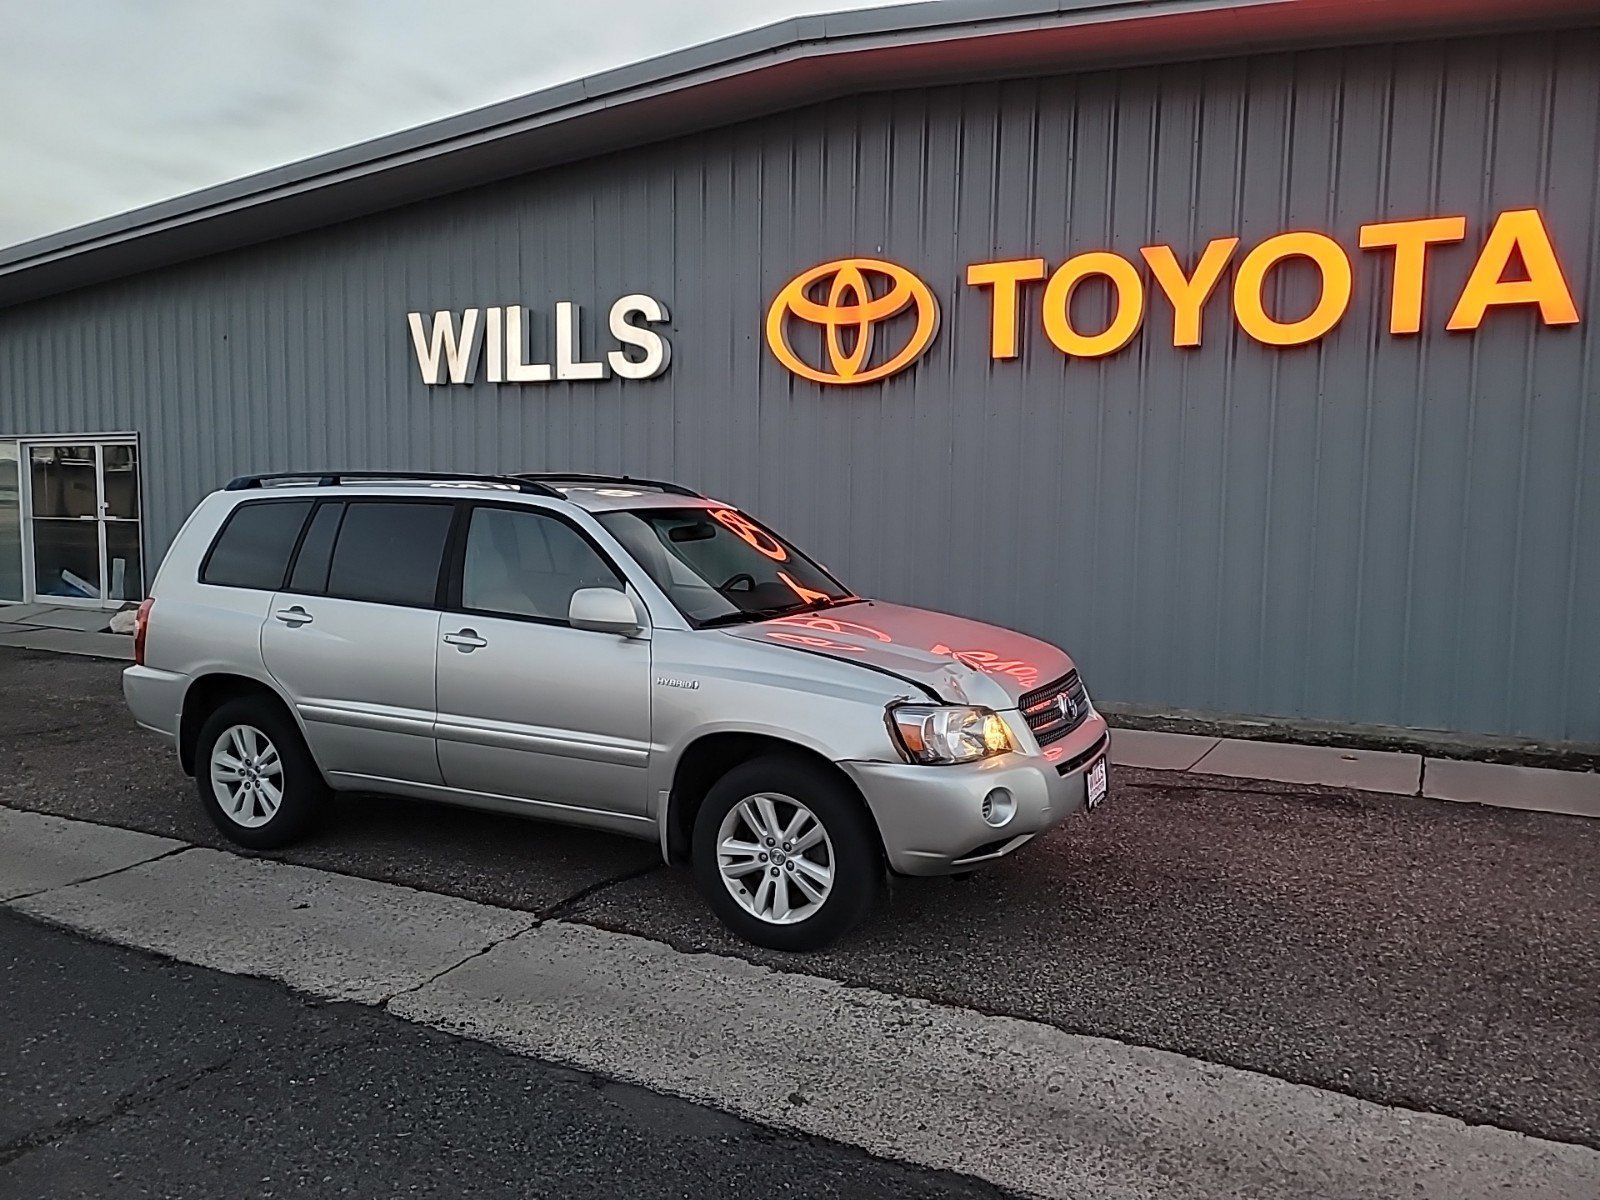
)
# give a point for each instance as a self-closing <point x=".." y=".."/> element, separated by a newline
<point x="252" y="549"/>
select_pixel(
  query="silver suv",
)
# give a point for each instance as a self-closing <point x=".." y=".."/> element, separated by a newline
<point x="618" y="653"/>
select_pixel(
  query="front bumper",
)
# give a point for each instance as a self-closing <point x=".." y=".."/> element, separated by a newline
<point x="931" y="817"/>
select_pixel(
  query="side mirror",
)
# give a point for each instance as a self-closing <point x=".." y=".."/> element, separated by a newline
<point x="604" y="610"/>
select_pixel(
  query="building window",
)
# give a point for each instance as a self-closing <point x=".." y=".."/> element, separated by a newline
<point x="10" y="523"/>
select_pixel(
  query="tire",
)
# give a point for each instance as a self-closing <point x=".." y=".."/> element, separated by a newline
<point x="827" y="888"/>
<point x="275" y="761"/>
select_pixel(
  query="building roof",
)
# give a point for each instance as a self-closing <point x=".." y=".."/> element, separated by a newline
<point x="779" y="66"/>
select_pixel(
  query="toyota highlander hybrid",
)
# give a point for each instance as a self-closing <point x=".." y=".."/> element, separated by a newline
<point x="611" y="652"/>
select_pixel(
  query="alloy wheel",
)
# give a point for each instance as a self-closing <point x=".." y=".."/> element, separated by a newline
<point x="775" y="858"/>
<point x="246" y="776"/>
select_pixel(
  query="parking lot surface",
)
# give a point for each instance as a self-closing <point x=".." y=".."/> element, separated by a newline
<point x="1412" y="952"/>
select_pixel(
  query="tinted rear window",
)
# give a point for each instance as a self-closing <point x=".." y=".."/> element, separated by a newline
<point x="390" y="552"/>
<point x="316" y="551"/>
<point x="253" y="549"/>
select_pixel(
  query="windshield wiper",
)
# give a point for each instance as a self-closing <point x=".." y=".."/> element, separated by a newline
<point x="745" y="614"/>
<point x="781" y="610"/>
<point x="814" y="605"/>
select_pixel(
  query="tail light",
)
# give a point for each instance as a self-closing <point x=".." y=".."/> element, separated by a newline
<point x="141" y="626"/>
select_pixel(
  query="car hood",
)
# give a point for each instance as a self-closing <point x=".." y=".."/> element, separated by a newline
<point x="960" y="661"/>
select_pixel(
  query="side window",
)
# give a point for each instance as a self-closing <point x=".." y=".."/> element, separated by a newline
<point x="253" y="549"/>
<point x="527" y="564"/>
<point x="390" y="553"/>
<point x="310" y="574"/>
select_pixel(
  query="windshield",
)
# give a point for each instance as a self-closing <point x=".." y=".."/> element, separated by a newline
<point x="721" y="567"/>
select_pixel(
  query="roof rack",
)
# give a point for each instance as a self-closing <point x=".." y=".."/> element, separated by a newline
<point x="518" y="483"/>
<point x="545" y="477"/>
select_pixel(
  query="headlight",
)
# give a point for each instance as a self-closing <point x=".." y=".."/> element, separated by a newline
<point x="930" y="733"/>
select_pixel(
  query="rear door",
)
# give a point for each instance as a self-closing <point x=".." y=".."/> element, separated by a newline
<point x="351" y="636"/>
<point x="528" y="706"/>
<point x="217" y="626"/>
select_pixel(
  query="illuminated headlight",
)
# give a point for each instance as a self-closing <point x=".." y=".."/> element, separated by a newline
<point x="948" y="733"/>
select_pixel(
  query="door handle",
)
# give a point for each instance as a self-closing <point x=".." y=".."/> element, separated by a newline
<point x="465" y="640"/>
<point x="293" y="617"/>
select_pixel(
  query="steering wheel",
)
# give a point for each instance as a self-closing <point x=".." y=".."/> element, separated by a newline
<point x="748" y="579"/>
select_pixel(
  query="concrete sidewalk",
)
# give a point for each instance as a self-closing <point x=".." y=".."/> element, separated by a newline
<point x="64" y="629"/>
<point x="1534" y="789"/>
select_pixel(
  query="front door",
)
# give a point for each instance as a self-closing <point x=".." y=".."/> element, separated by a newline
<point x="529" y="707"/>
<point x="83" y="504"/>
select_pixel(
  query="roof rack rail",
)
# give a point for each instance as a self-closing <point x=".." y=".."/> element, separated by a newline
<point x="335" y="478"/>
<point x="675" y="489"/>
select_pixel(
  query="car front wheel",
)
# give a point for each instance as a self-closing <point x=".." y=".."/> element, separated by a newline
<point x="785" y="854"/>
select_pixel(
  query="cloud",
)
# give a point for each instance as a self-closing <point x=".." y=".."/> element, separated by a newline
<point x="112" y="106"/>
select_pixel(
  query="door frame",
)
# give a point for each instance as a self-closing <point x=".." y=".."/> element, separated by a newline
<point x="25" y="442"/>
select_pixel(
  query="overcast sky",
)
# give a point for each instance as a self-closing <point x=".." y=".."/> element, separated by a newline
<point x="110" y="104"/>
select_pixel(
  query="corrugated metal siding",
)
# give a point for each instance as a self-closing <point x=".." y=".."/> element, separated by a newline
<point x="1369" y="529"/>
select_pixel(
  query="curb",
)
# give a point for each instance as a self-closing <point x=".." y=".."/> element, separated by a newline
<point x="1529" y="789"/>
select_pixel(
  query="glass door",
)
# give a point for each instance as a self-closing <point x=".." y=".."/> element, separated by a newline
<point x="84" y="518"/>
<point x="120" y="545"/>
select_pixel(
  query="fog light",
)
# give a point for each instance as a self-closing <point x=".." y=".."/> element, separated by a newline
<point x="998" y="807"/>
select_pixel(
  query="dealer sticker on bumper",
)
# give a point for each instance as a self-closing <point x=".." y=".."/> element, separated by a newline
<point x="1096" y="780"/>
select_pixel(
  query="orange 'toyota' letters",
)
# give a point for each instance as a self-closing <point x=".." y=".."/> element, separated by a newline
<point x="1249" y="307"/>
<point x="1128" y="309"/>
<point x="1517" y="231"/>
<point x="1004" y="278"/>
<point x="1410" y="241"/>
<point x="1188" y="295"/>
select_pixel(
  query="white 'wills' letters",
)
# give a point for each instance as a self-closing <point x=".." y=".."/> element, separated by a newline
<point x="451" y="347"/>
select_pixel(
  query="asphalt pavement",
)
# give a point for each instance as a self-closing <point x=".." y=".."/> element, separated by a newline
<point x="130" y="1075"/>
<point x="1411" y="952"/>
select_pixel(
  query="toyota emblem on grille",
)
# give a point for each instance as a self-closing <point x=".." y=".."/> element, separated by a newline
<point x="1067" y="706"/>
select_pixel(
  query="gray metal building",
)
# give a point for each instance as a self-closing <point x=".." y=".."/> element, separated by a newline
<point x="1364" y="524"/>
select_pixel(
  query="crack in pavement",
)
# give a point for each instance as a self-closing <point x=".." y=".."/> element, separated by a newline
<point x="55" y="887"/>
<point x="558" y="910"/>
<point x="551" y="912"/>
<point x="383" y="1002"/>
<point x="163" y="1085"/>
<point x="171" y="1084"/>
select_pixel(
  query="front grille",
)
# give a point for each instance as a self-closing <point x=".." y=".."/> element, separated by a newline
<point x="1084" y="758"/>
<point x="1041" y="708"/>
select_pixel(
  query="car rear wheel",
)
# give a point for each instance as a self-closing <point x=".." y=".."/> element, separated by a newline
<point x="785" y="854"/>
<point x="256" y="779"/>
